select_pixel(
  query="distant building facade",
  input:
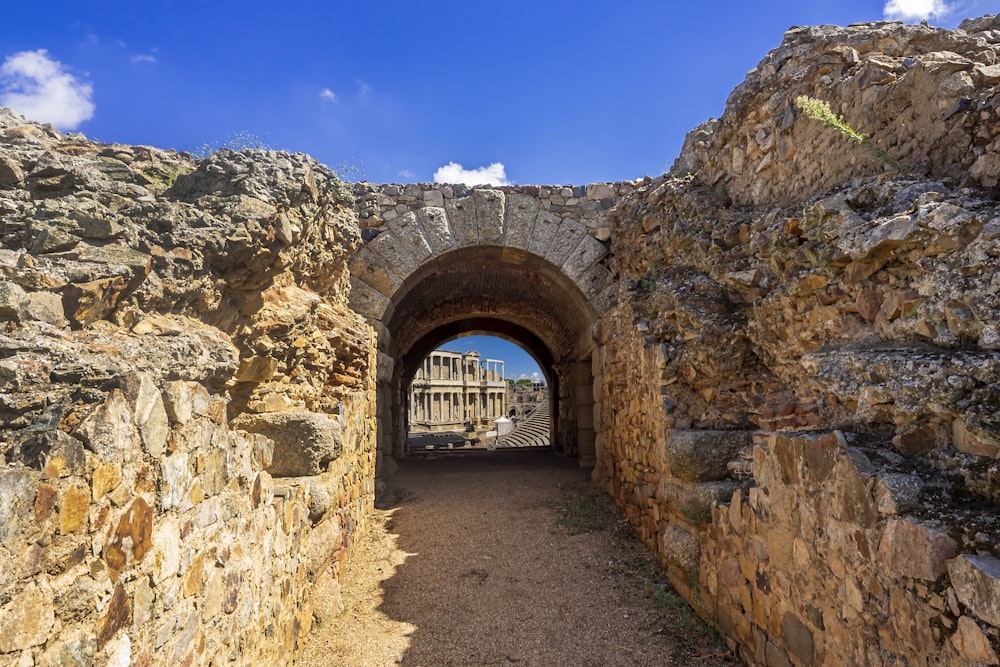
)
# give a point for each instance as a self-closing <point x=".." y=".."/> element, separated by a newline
<point x="453" y="390"/>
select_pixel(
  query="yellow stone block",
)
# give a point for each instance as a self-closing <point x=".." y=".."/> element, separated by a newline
<point x="73" y="509"/>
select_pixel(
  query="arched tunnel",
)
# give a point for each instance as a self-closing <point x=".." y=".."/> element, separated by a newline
<point x="503" y="291"/>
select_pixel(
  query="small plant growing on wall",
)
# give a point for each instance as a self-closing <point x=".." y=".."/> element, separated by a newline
<point x="821" y="111"/>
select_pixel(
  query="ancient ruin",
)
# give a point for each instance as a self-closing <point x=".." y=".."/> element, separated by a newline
<point x="781" y="359"/>
<point x="454" y="390"/>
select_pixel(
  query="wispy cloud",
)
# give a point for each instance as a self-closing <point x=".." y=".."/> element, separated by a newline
<point x="328" y="95"/>
<point x="143" y="58"/>
<point x="38" y="87"/>
<point x="916" y="10"/>
<point x="364" y="90"/>
<point x="453" y="172"/>
<point x="406" y="173"/>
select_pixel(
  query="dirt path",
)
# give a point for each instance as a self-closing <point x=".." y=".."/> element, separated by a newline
<point x="505" y="559"/>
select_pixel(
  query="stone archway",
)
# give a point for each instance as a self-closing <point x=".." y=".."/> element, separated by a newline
<point x="524" y="263"/>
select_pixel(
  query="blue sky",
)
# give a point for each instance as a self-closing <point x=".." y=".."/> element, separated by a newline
<point x="546" y="91"/>
<point x="459" y="90"/>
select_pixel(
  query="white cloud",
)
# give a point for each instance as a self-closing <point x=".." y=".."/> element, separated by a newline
<point x="915" y="10"/>
<point x="406" y="173"/>
<point x="143" y="58"/>
<point x="328" y="95"/>
<point x="453" y="172"/>
<point x="38" y="87"/>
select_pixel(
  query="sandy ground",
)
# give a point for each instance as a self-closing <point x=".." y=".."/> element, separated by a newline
<point x="505" y="558"/>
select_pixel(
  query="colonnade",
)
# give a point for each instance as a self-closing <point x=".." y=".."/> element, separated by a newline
<point x="451" y="389"/>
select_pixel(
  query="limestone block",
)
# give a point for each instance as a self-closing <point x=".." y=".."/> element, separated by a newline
<point x="411" y="236"/>
<point x="600" y="191"/>
<point x="521" y="209"/>
<point x="304" y="442"/>
<point x="490" y="205"/>
<point x="75" y="648"/>
<point x="566" y="239"/>
<point x="183" y="400"/>
<point x="702" y="456"/>
<point x="437" y="231"/>
<point x="109" y="431"/>
<point x="542" y="232"/>
<point x="433" y="198"/>
<point x="366" y="300"/>
<point x="976" y="579"/>
<point x="586" y="254"/>
<point x="371" y="268"/>
<point x="26" y="619"/>
<point x="910" y="549"/>
<point x="594" y="282"/>
<point x="396" y="253"/>
<point x="462" y="216"/>
<point x="978" y="443"/>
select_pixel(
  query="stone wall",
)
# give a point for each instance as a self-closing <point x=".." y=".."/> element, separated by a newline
<point x="187" y="417"/>
<point x="799" y="400"/>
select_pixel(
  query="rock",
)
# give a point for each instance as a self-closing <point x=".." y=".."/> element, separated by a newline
<point x="972" y="644"/>
<point x="702" y="456"/>
<point x="110" y="431"/>
<point x="976" y="579"/>
<point x="44" y="307"/>
<point x="149" y="411"/>
<point x="910" y="549"/>
<point x="183" y="400"/>
<point x="28" y="617"/>
<point x="680" y="547"/>
<point x="304" y="442"/>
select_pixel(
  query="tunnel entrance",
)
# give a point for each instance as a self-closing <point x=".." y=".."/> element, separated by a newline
<point x="485" y="291"/>
<point x="439" y="262"/>
<point x="476" y="392"/>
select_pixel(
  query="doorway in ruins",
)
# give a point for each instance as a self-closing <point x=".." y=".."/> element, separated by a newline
<point x="505" y="292"/>
<point x="478" y="392"/>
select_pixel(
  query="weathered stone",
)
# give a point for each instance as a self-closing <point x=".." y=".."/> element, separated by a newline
<point x="798" y="638"/>
<point x="148" y="411"/>
<point x="110" y="431"/>
<point x="913" y="550"/>
<point x="27" y="619"/>
<point x="702" y="456"/>
<point x="73" y="508"/>
<point x="304" y="442"/>
<point x="461" y="213"/>
<point x="976" y="579"/>
<point x="324" y="541"/>
<point x="183" y="400"/>
<point x="12" y="298"/>
<point x="972" y="644"/>
<point x="680" y="547"/>
<point x="119" y="614"/>
<point x="131" y="539"/>
<point x="44" y="307"/>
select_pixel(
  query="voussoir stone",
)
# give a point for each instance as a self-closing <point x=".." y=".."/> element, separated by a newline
<point x="304" y="442"/>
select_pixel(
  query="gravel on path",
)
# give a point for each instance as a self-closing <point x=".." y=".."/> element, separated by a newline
<point x="505" y="558"/>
